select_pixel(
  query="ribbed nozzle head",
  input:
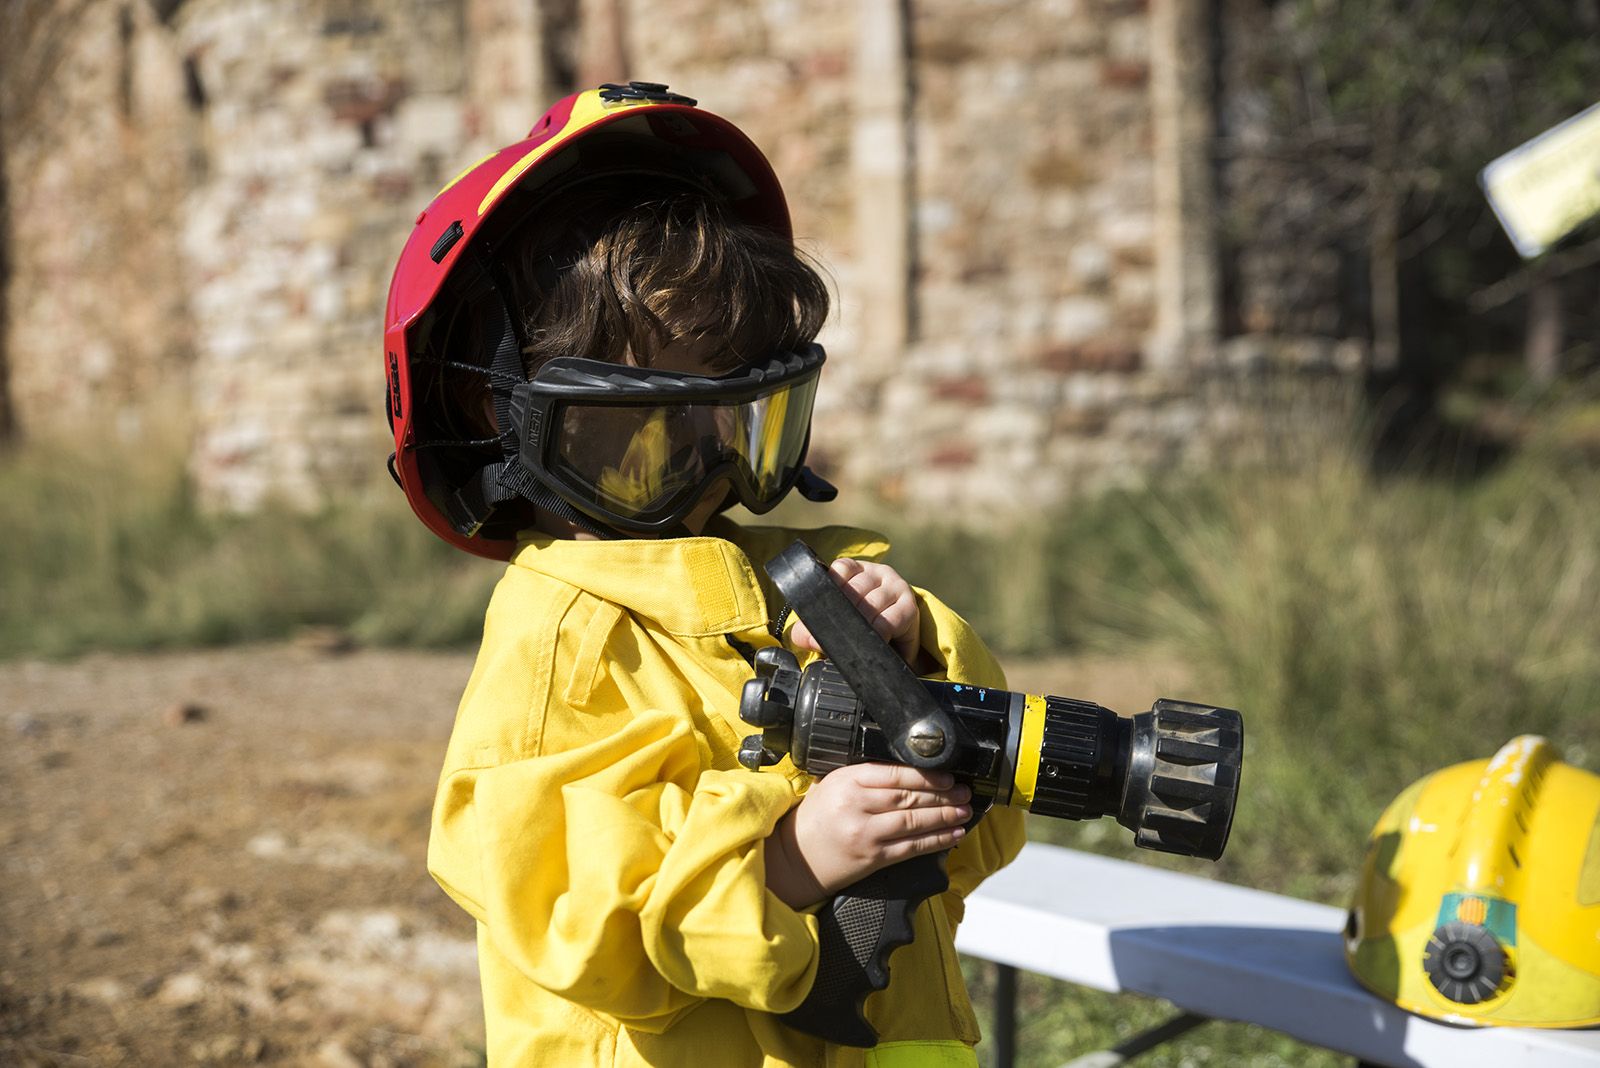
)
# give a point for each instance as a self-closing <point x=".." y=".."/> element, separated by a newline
<point x="1183" y="778"/>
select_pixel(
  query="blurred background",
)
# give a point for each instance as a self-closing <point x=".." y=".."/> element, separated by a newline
<point x="1174" y="344"/>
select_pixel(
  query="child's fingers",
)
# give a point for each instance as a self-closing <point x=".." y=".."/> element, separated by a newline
<point x="800" y="635"/>
<point x="889" y="611"/>
<point x="933" y="842"/>
<point x="883" y="598"/>
<point x="802" y="638"/>
<point x="878" y="776"/>
<point x="889" y="827"/>
<point x="844" y="571"/>
<point x="845" y="568"/>
<point x="903" y="799"/>
<point x="859" y="579"/>
<point x="871" y="601"/>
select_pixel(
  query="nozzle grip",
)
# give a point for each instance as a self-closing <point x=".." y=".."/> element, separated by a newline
<point x="888" y="688"/>
<point x="858" y="928"/>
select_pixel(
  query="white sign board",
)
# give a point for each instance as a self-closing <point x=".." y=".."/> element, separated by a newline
<point x="1548" y="187"/>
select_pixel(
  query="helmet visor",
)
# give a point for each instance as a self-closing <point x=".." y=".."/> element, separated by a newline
<point x="651" y="463"/>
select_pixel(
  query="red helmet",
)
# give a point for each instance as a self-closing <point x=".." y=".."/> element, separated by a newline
<point x="638" y="127"/>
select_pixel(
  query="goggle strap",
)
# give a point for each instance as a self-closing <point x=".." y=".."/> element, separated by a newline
<point x="813" y="487"/>
<point x="505" y="364"/>
<point x="506" y="369"/>
<point x="543" y="498"/>
<point x="470" y="504"/>
<point x="453" y="443"/>
<point x="471" y="368"/>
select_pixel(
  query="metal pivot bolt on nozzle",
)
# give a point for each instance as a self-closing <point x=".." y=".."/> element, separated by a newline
<point x="925" y="738"/>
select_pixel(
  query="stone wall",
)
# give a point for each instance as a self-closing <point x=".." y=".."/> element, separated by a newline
<point x="1013" y="199"/>
<point x="1035" y="247"/>
<point x="98" y="169"/>
<point x="328" y="124"/>
<point x="1029" y="303"/>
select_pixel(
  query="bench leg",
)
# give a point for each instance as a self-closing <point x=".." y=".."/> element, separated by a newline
<point x="1005" y="1016"/>
<point x="1123" y="1052"/>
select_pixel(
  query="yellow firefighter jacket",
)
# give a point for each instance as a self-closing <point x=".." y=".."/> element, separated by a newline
<point x="593" y="819"/>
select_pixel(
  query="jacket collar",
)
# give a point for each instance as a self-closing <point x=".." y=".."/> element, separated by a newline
<point x="689" y="586"/>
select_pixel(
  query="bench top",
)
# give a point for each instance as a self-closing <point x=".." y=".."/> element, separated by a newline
<point x="1227" y="952"/>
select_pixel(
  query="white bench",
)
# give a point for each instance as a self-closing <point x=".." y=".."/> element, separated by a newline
<point x="1223" y="952"/>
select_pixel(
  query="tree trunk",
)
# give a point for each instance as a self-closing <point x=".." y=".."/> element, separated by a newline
<point x="1385" y="274"/>
<point x="1384" y="249"/>
<point x="1546" y="331"/>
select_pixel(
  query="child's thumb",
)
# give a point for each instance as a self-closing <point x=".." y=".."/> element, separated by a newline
<point x="800" y="637"/>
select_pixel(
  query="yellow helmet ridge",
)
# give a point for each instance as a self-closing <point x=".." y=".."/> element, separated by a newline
<point x="1479" y="896"/>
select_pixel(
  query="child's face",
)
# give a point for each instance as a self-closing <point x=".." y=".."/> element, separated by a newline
<point x="709" y="504"/>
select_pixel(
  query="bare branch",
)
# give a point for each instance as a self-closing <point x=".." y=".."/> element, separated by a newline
<point x="1523" y="282"/>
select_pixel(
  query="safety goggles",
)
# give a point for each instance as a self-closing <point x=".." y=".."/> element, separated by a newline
<point x="637" y="448"/>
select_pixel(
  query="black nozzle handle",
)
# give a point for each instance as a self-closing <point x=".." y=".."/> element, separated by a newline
<point x="857" y="930"/>
<point x="919" y="732"/>
<point x="860" y="926"/>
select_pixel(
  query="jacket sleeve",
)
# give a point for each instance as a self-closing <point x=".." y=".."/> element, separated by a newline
<point x="1000" y="834"/>
<point x="623" y="877"/>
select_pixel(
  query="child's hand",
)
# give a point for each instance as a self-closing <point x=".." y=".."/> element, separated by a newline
<point x="885" y="600"/>
<point x="858" y="819"/>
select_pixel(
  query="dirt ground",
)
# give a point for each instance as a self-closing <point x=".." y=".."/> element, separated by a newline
<point x="218" y="857"/>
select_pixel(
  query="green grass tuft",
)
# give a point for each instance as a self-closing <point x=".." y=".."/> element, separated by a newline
<point x="109" y="549"/>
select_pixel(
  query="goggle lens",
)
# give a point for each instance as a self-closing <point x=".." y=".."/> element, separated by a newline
<point x="643" y="461"/>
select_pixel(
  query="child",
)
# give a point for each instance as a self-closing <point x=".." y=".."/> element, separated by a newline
<point x="641" y="899"/>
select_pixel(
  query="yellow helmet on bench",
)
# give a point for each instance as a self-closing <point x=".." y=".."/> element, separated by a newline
<point x="1479" y="897"/>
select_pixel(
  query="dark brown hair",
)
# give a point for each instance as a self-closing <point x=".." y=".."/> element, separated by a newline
<point x="613" y="270"/>
<point x="621" y="268"/>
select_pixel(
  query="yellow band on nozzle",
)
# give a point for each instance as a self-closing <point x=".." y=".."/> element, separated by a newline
<point x="1028" y="749"/>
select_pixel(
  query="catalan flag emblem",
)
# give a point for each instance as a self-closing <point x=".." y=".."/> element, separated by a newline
<point x="1473" y="910"/>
